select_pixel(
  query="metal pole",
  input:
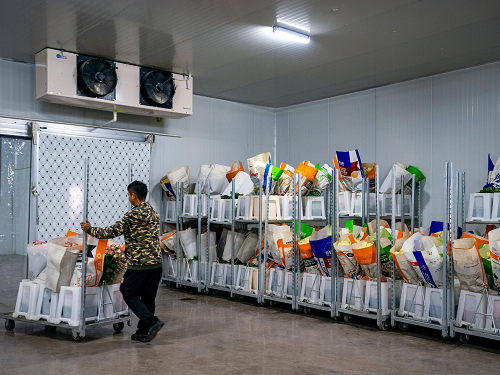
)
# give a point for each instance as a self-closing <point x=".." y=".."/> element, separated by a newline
<point x="412" y="204"/>
<point x="362" y="201"/>
<point x="336" y="232"/>
<point x="130" y="181"/>
<point x="233" y="215"/>
<point x="198" y="239"/>
<point x="260" y="292"/>
<point x="393" y="234"/>
<point x="333" y="260"/>
<point x="299" y="223"/>
<point x="177" y="233"/>
<point x="379" y="286"/>
<point x="463" y="200"/>
<point x="446" y="217"/>
<point x="454" y="235"/>
<point x="266" y="215"/>
<point x="207" y="266"/>
<point x="367" y="201"/>
<point x="84" y="246"/>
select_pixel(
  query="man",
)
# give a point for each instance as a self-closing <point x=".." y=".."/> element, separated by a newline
<point x="140" y="226"/>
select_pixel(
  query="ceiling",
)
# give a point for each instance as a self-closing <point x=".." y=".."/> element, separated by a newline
<point x="228" y="46"/>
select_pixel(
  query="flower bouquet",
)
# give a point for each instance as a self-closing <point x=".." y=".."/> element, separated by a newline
<point x="114" y="265"/>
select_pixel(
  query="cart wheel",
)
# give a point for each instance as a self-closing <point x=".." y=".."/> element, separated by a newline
<point x="403" y="326"/>
<point x="464" y="338"/>
<point x="76" y="336"/>
<point x="384" y="326"/>
<point x="241" y="298"/>
<point x="129" y="322"/>
<point x="215" y="292"/>
<point x="347" y="318"/>
<point x="307" y="310"/>
<point x="118" y="327"/>
<point x="272" y="303"/>
<point x="10" y="324"/>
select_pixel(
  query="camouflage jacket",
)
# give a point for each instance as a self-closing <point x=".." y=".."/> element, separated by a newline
<point x="140" y="227"/>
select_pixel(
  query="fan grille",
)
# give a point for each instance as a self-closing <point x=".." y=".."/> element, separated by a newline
<point x="97" y="77"/>
<point x="157" y="88"/>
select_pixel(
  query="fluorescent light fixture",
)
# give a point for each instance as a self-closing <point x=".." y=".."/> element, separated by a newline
<point x="291" y="35"/>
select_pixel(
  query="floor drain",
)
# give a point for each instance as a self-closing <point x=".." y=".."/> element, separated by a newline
<point x="185" y="299"/>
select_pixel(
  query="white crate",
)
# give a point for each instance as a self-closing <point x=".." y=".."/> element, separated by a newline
<point x="190" y="206"/>
<point x="287" y="207"/>
<point x="371" y="297"/>
<point x="243" y="209"/>
<point x="69" y="305"/>
<point x="217" y="209"/>
<point x="314" y="208"/>
<point x="46" y="306"/>
<point x="353" y="295"/>
<point x="276" y="284"/>
<point x="495" y="211"/>
<point x="467" y="305"/>
<point x="495" y="309"/>
<point x="190" y="270"/>
<point x="171" y="212"/>
<point x="27" y="298"/>
<point x="310" y="288"/>
<point x="274" y="207"/>
<point x="113" y="303"/>
<point x="412" y="301"/>
<point x="433" y="305"/>
<point x="356" y="204"/>
<point x="480" y="207"/>
<point x="344" y="203"/>
<point x="288" y="287"/>
<point x="326" y="290"/>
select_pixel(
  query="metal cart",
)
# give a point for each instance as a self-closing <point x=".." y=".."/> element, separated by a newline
<point x="78" y="333"/>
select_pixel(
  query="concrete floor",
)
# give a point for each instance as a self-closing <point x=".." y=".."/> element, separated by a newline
<point x="216" y="335"/>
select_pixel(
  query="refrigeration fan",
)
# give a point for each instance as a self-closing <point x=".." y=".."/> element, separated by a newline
<point x="97" y="78"/>
<point x="157" y="88"/>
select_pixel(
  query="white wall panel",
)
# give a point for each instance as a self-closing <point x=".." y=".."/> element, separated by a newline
<point x="466" y="124"/>
<point x="404" y="129"/>
<point x="282" y="131"/>
<point x="352" y="125"/>
<point x="448" y="117"/>
<point x="308" y="132"/>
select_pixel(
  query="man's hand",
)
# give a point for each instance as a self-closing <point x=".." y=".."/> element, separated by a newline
<point x="85" y="226"/>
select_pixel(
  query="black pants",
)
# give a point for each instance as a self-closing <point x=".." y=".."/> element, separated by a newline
<point x="139" y="292"/>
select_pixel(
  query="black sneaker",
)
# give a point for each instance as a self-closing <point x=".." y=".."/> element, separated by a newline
<point x="152" y="331"/>
<point x="137" y="336"/>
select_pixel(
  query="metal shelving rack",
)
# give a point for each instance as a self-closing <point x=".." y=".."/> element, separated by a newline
<point x="457" y="185"/>
<point x="348" y="313"/>
<point x="403" y="322"/>
<point x="78" y="333"/>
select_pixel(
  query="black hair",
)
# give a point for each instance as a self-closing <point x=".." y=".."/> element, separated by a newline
<point x="139" y="189"/>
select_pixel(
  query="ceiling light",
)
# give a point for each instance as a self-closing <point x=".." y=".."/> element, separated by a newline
<point x="291" y="35"/>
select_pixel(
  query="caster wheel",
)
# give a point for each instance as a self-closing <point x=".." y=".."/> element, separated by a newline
<point x="216" y="292"/>
<point x="76" y="336"/>
<point x="384" y="326"/>
<point x="403" y="326"/>
<point x="347" y="318"/>
<point x="10" y="324"/>
<point x="50" y="328"/>
<point x="118" y="327"/>
<point x="307" y="310"/>
<point x="241" y="298"/>
<point x="272" y="303"/>
<point x="464" y="338"/>
<point x="129" y="322"/>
